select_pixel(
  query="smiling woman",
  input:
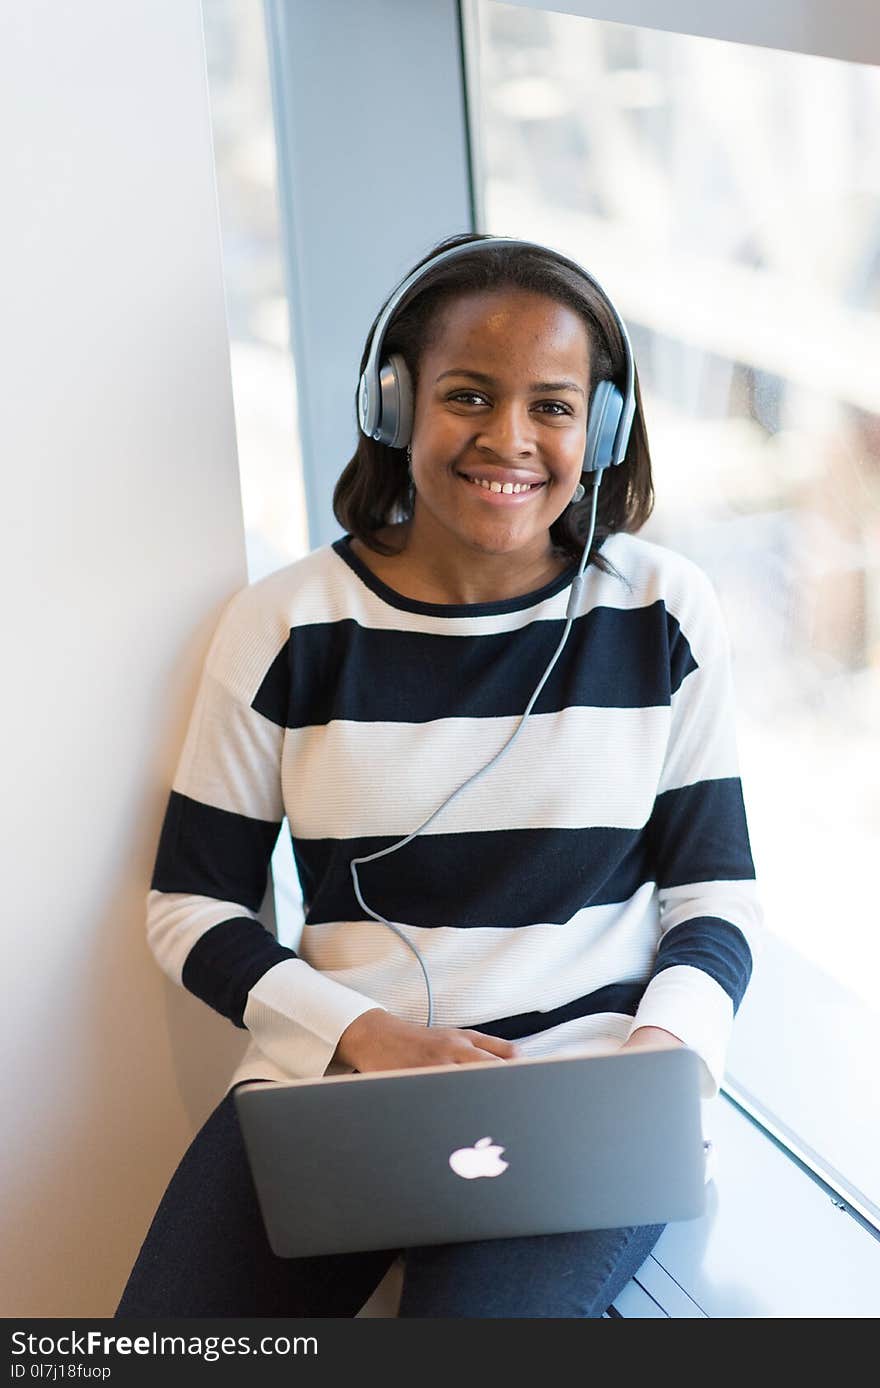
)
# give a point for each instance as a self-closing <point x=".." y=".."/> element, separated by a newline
<point x="492" y="469"/>
<point x="505" y="348"/>
<point x="523" y="450"/>
<point x="594" y="893"/>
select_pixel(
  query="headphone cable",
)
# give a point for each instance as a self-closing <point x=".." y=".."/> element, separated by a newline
<point x="577" y="584"/>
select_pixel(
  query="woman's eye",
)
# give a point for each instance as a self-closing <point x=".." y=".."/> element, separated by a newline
<point x="556" y="407"/>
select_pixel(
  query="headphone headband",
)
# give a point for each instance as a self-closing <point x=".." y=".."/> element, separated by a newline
<point x="370" y="389"/>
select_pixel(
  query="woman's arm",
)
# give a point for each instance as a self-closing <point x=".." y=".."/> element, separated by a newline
<point x="699" y="850"/>
<point x="222" y="819"/>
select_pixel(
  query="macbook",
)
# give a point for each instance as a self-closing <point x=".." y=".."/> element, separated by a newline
<point x="443" y="1154"/>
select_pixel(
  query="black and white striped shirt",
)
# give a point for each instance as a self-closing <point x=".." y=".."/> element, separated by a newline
<point x="599" y="879"/>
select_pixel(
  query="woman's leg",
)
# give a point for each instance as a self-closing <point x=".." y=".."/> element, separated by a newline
<point x="206" y="1251"/>
<point x="555" y="1275"/>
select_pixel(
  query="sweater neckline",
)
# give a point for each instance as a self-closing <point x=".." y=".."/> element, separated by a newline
<point x="342" y="547"/>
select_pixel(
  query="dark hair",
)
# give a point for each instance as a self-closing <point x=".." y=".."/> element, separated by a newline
<point x="374" y="489"/>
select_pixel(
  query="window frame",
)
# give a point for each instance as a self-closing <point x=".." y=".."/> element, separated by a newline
<point x="847" y="29"/>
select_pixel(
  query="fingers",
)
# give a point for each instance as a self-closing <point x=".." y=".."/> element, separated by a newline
<point x="505" y="1050"/>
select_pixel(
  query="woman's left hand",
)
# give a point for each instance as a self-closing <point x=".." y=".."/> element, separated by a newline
<point x="651" y="1038"/>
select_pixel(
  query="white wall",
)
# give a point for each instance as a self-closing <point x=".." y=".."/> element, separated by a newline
<point x="121" y="537"/>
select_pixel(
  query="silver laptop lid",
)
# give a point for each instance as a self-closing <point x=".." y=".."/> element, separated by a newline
<point x="446" y="1154"/>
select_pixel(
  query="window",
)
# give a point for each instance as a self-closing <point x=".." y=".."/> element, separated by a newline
<point x="263" y="380"/>
<point x="728" y="199"/>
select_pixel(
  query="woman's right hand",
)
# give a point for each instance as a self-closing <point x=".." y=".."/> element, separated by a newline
<point x="377" y="1040"/>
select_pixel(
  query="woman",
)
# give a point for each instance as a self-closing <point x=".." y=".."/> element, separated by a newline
<point x="595" y="892"/>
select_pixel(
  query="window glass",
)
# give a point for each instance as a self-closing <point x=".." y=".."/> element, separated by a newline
<point x="263" y="380"/>
<point x="728" y="199"/>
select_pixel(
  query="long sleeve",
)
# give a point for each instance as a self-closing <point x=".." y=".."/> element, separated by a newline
<point x="710" y="915"/>
<point x="222" y="820"/>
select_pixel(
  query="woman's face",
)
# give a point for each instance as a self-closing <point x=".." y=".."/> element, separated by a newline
<point x="501" y="399"/>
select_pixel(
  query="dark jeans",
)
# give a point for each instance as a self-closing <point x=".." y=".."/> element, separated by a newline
<point x="206" y="1254"/>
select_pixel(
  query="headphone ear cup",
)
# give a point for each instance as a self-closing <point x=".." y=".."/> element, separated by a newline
<point x="605" y="412"/>
<point x="396" y="397"/>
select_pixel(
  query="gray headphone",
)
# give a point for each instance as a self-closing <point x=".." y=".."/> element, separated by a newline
<point x="385" y="393"/>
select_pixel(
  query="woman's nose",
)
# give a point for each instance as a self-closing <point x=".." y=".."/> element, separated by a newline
<point x="509" y="431"/>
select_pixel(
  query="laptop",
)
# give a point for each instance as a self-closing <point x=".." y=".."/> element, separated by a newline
<point x="451" y="1153"/>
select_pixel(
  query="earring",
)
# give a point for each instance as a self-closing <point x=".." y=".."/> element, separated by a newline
<point x="578" y="494"/>
<point x="409" y="461"/>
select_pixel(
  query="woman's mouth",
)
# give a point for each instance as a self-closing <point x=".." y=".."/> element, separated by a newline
<point x="501" y="493"/>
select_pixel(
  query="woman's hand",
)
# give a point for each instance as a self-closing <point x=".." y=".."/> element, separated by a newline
<point x="651" y="1039"/>
<point x="377" y="1040"/>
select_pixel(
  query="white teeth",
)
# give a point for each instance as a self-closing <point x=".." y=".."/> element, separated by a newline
<point x="507" y="487"/>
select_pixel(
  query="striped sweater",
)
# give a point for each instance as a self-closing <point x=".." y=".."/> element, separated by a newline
<point x="599" y="879"/>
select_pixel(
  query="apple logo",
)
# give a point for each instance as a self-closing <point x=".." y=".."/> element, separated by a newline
<point x="480" y="1160"/>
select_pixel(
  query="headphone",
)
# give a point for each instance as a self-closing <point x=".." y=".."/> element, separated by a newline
<point x="385" y="414"/>
<point x="386" y="397"/>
